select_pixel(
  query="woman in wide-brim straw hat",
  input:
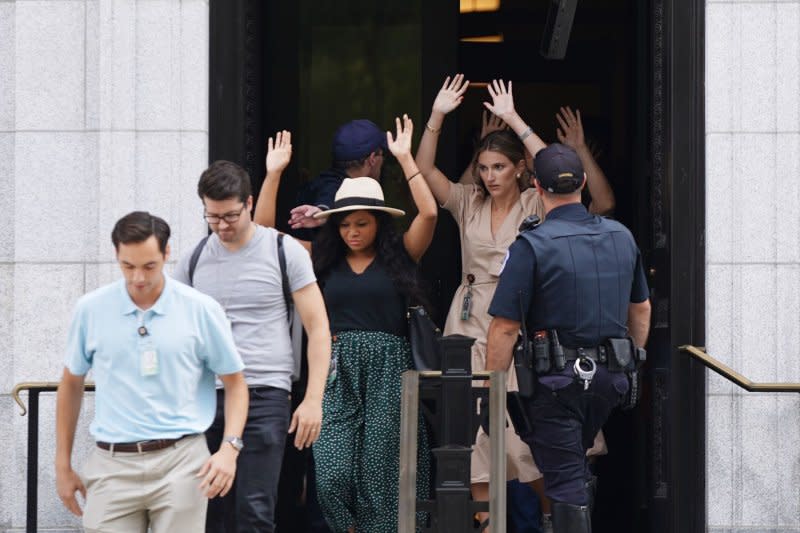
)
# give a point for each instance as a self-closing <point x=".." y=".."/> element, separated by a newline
<point x="368" y="274"/>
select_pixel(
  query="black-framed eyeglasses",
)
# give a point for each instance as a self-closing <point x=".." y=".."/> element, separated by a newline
<point x="230" y="218"/>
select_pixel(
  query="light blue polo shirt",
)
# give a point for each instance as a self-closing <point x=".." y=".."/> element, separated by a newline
<point x="192" y="341"/>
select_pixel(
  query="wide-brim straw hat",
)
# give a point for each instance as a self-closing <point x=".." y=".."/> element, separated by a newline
<point x="355" y="194"/>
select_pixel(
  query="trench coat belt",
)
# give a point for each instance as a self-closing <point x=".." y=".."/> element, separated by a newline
<point x="465" y="280"/>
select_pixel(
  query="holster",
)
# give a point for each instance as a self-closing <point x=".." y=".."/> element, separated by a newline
<point x="523" y="365"/>
<point x="634" y="390"/>
<point x="517" y="413"/>
<point x="623" y="354"/>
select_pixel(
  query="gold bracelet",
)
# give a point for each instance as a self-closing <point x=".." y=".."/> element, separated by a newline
<point x="432" y="130"/>
<point x="413" y="176"/>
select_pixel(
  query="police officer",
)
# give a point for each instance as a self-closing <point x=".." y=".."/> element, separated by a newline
<point x="579" y="278"/>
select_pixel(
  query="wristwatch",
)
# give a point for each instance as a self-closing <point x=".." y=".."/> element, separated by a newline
<point x="236" y="442"/>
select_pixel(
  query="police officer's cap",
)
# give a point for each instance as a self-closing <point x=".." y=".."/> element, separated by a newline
<point x="558" y="169"/>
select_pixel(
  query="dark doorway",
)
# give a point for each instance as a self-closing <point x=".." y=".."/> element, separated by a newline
<point x="633" y="68"/>
<point x="605" y="75"/>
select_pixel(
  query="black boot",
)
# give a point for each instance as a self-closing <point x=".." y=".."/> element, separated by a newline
<point x="569" y="518"/>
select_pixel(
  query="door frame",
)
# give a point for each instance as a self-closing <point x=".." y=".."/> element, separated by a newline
<point x="677" y="469"/>
<point x="683" y="77"/>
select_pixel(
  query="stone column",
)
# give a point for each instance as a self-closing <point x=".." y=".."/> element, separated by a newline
<point x="103" y="110"/>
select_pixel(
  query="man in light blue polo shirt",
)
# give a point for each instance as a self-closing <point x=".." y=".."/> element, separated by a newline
<point x="154" y="346"/>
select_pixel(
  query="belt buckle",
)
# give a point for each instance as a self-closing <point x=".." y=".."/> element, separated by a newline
<point x="585" y="353"/>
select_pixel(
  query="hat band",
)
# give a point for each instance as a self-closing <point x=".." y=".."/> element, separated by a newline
<point x="358" y="200"/>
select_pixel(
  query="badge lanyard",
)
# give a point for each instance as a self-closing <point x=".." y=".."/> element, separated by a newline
<point x="466" y="305"/>
<point x="148" y="356"/>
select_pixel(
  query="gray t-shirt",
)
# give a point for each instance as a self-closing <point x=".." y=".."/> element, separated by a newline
<point x="247" y="283"/>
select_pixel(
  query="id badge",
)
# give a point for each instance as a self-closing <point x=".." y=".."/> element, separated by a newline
<point x="149" y="362"/>
<point x="466" y="306"/>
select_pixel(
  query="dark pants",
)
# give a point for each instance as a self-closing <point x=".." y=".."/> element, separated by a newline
<point x="317" y="523"/>
<point x="524" y="508"/>
<point x="250" y="505"/>
<point x="298" y="510"/>
<point x="565" y="419"/>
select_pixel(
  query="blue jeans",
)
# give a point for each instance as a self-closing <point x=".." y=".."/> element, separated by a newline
<point x="250" y="505"/>
<point x="565" y="419"/>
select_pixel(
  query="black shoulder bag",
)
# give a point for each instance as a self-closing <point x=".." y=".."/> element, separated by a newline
<point x="423" y="336"/>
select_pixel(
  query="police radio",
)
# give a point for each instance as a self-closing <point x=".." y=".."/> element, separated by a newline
<point x="530" y="222"/>
<point x="523" y="358"/>
<point x="524" y="350"/>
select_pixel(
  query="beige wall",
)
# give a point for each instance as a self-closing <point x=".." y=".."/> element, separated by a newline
<point x="103" y="109"/>
<point x="753" y="261"/>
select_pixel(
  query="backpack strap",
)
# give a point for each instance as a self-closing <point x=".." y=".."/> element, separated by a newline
<point x="287" y="295"/>
<point x="196" y="257"/>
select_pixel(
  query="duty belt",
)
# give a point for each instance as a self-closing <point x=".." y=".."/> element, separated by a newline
<point x="138" y="447"/>
<point x="598" y="353"/>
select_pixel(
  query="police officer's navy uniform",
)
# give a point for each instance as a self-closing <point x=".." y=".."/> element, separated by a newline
<point x="575" y="273"/>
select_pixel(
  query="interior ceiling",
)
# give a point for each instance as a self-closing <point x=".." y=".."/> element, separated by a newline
<point x="523" y="20"/>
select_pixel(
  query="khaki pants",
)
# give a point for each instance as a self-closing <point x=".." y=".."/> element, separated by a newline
<point x="129" y="492"/>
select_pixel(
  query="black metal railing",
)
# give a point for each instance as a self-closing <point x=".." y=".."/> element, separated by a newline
<point x="34" y="389"/>
<point x="448" y="400"/>
<point x="699" y="354"/>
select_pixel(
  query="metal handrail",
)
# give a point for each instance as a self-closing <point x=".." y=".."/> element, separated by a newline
<point x="728" y="373"/>
<point x="41" y="386"/>
<point x="34" y="388"/>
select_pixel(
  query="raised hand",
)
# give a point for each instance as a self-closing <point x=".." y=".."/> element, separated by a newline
<point x="502" y="99"/>
<point x="279" y="151"/>
<point x="490" y="123"/>
<point x="451" y="94"/>
<point x="570" y="131"/>
<point x="401" y="145"/>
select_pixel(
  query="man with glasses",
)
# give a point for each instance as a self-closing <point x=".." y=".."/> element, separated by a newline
<point x="359" y="149"/>
<point x="239" y="267"/>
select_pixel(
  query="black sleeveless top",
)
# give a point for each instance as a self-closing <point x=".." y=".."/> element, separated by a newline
<point x="367" y="302"/>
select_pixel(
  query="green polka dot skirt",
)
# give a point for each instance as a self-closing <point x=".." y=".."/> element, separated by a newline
<point x="357" y="455"/>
